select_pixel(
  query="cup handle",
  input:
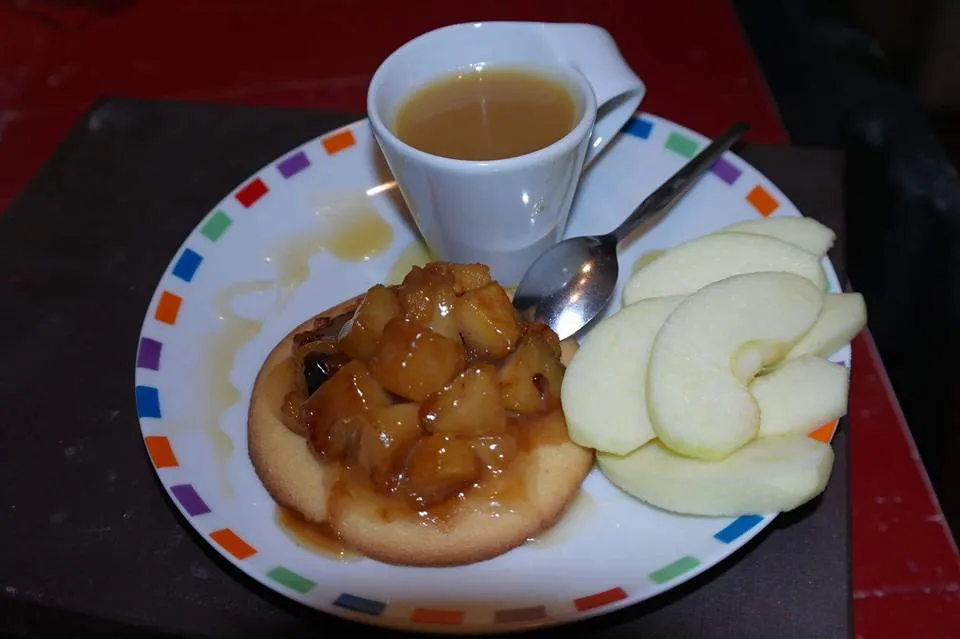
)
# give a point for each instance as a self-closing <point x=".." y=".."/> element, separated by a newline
<point x="618" y="90"/>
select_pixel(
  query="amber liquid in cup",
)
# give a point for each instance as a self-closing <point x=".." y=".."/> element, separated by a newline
<point x="489" y="114"/>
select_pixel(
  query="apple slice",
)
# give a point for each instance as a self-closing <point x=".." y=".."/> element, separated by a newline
<point x="767" y="475"/>
<point x="843" y="316"/>
<point x="692" y="265"/>
<point x="802" y="232"/>
<point x="645" y="259"/>
<point x="801" y="395"/>
<point x="697" y="393"/>
<point x="604" y="389"/>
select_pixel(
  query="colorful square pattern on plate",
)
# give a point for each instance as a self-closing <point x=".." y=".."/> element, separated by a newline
<point x="251" y="193"/>
<point x="337" y="142"/>
<point x="168" y="308"/>
<point x="293" y="164"/>
<point x="187" y="265"/>
<point x="148" y="355"/>
<point x="216" y="225"/>
<point x="160" y="445"/>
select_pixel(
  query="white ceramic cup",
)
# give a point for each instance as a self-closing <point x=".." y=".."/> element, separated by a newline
<point x="503" y="213"/>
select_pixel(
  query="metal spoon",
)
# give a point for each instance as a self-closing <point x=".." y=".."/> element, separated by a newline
<point x="571" y="282"/>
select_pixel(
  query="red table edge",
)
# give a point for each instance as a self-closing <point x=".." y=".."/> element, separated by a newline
<point x="867" y="476"/>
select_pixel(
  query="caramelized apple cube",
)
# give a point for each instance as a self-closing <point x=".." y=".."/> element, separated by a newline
<point x="568" y="348"/>
<point x="463" y="277"/>
<point x="361" y="334"/>
<point x="467" y="277"/>
<point x="342" y="436"/>
<point x="413" y="361"/>
<point x="530" y="379"/>
<point x="430" y="305"/>
<point x="351" y="391"/>
<point x="496" y="453"/>
<point x="290" y="408"/>
<point x="487" y="321"/>
<point x="430" y="274"/>
<point x="439" y="467"/>
<point x="543" y="333"/>
<point x="469" y="406"/>
<point x="384" y="441"/>
<point x="427" y="297"/>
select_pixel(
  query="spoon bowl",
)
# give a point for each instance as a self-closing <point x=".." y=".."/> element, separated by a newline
<point x="572" y="282"/>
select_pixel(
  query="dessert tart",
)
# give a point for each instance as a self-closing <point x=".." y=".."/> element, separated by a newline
<point x="421" y="424"/>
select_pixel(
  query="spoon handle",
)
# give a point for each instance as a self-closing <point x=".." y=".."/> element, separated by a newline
<point x="680" y="182"/>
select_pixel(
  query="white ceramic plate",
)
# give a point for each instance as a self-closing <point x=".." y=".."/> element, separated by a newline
<point x="251" y="271"/>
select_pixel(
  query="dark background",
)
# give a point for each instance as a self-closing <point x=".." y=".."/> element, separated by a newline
<point x="880" y="79"/>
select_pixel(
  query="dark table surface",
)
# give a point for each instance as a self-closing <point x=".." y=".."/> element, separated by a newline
<point x="90" y="543"/>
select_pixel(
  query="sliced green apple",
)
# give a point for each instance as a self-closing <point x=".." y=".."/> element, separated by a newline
<point x="604" y="388"/>
<point x="843" y="316"/>
<point x="692" y="265"/>
<point x="769" y="474"/>
<point x="645" y="259"/>
<point x="697" y="394"/>
<point x="801" y="395"/>
<point x="802" y="232"/>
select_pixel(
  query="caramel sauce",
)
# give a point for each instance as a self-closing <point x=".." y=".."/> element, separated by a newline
<point x="352" y="230"/>
<point x="415" y="254"/>
<point x="365" y="235"/>
<point x="322" y="539"/>
<point x="349" y="227"/>
<point x="221" y="347"/>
